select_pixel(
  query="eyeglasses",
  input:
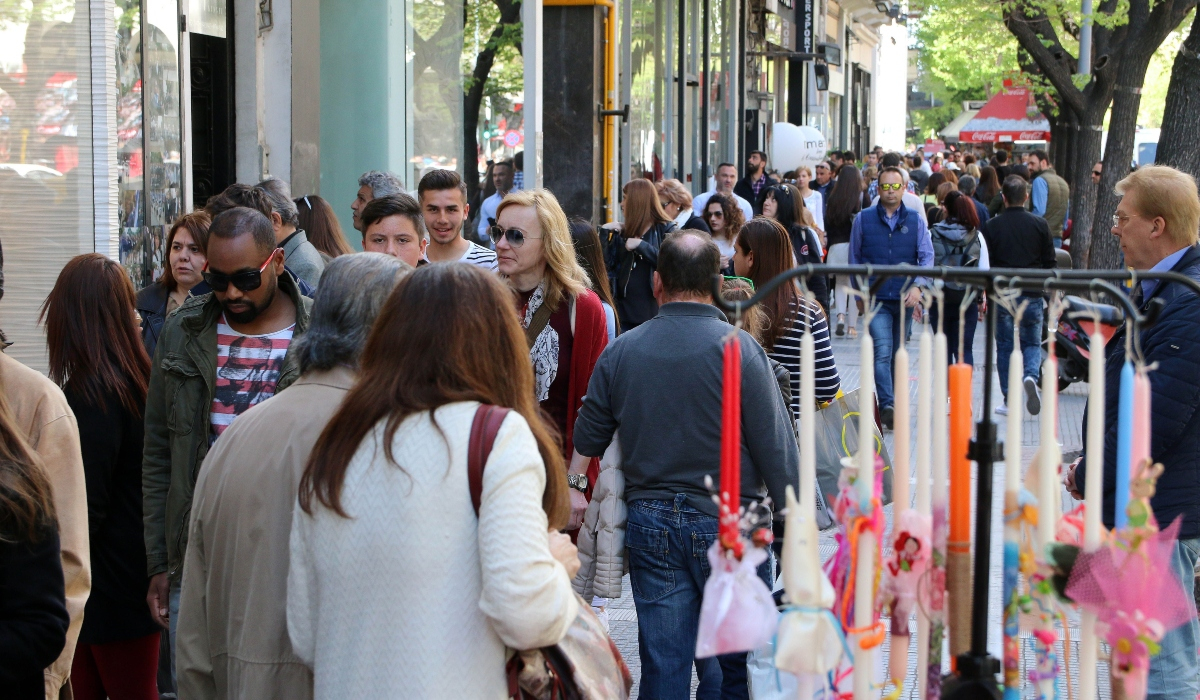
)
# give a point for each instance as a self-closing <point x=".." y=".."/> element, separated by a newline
<point x="516" y="237"/>
<point x="1119" y="220"/>
<point x="714" y="215"/>
<point x="246" y="280"/>
<point x="1095" y="173"/>
<point x="890" y="186"/>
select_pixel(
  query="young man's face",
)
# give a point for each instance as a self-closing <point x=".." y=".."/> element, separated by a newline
<point x="395" y="236"/>
<point x="756" y="163"/>
<point x="444" y="212"/>
<point x="230" y="256"/>
<point x="872" y="159"/>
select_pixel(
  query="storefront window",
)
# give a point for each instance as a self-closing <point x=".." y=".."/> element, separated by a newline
<point x="130" y="154"/>
<point x="46" y="212"/>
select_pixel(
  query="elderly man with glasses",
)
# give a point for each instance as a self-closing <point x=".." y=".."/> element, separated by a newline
<point x="219" y="354"/>
<point x="889" y="233"/>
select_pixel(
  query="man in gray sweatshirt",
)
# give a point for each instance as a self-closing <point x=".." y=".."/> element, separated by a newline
<point x="660" y="385"/>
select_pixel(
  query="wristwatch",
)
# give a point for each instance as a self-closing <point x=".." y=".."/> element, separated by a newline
<point x="578" y="482"/>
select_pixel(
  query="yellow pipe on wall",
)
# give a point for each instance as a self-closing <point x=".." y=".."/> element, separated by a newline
<point x="608" y="138"/>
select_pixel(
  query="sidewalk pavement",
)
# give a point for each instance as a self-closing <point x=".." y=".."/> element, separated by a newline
<point x="623" y="617"/>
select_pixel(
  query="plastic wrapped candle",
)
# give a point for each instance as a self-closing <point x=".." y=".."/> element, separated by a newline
<point x="924" y="399"/>
<point x="731" y="450"/>
<point x="900" y="433"/>
<point x="1093" y="502"/>
<point x="1012" y="528"/>
<point x="864" y="591"/>
<point x="937" y="619"/>
<point x="1124" y="444"/>
<point x="1051" y="456"/>
<point x="1139" y="443"/>
<point x="808" y="439"/>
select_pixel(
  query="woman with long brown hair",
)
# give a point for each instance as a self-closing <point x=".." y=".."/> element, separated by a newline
<point x="845" y="202"/>
<point x="186" y="245"/>
<point x="590" y="255"/>
<point x="632" y="257"/>
<point x="764" y="251"/>
<point x="321" y="224"/>
<point x="724" y="218"/>
<point x="97" y="357"/>
<point x="387" y="553"/>
<point x="33" y="604"/>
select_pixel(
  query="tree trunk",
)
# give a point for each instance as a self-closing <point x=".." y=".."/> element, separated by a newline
<point x="1083" y="192"/>
<point x="510" y="15"/>
<point x="1181" y="114"/>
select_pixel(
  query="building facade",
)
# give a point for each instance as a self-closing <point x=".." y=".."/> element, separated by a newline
<point x="116" y="116"/>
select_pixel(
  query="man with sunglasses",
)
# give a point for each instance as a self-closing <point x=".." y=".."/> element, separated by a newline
<point x="217" y="356"/>
<point x="890" y="233"/>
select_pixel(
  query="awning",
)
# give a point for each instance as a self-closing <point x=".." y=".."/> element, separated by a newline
<point x="1010" y="115"/>
<point x="950" y="133"/>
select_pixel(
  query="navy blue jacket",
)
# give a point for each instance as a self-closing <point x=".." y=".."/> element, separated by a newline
<point x="1172" y="343"/>
<point x="873" y="241"/>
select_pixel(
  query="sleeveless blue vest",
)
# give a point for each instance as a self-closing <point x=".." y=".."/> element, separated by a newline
<point x="881" y="245"/>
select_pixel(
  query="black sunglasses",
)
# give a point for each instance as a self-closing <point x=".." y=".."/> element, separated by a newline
<point x="516" y="237"/>
<point x="246" y="280"/>
<point x="1095" y="173"/>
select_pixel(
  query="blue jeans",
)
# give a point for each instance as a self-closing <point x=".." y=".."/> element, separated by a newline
<point x="887" y="333"/>
<point x="1174" y="672"/>
<point x="667" y="544"/>
<point x="172" y="623"/>
<point x="1031" y="341"/>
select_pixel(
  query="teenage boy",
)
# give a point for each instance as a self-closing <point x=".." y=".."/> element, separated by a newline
<point x="442" y="195"/>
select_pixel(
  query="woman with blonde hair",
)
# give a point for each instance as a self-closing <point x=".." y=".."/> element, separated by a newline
<point x="813" y="200"/>
<point x="677" y="203"/>
<point x="632" y="257"/>
<point x="564" y="322"/>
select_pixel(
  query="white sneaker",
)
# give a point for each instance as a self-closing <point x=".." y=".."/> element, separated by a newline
<point x="1002" y="410"/>
<point x="1033" y="396"/>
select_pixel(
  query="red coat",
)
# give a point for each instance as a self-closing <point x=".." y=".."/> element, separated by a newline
<point x="591" y="337"/>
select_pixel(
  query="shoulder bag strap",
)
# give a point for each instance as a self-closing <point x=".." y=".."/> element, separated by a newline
<point x="483" y="435"/>
<point x="540" y="318"/>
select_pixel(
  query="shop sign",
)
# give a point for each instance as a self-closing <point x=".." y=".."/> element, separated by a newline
<point x="806" y="29"/>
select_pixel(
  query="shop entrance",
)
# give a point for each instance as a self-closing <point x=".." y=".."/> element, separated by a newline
<point x="212" y="107"/>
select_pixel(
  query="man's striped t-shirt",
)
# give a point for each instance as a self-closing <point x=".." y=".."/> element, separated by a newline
<point x="478" y="255"/>
<point x="248" y="369"/>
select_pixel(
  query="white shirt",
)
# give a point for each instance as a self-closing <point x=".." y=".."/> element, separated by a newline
<point x="392" y="600"/>
<point x="699" y="203"/>
<point x="487" y="210"/>
<point x="816" y="204"/>
<point x="478" y="255"/>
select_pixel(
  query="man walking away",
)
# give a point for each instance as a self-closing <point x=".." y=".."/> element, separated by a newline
<point x="751" y="186"/>
<point x="1017" y="238"/>
<point x="1157" y="221"/>
<point x="1051" y="196"/>
<point x="724" y="182"/>
<point x="373" y="184"/>
<point x="890" y="233"/>
<point x="502" y="178"/>
<point x="218" y="355"/>
<point x="300" y="256"/>
<point x="967" y="184"/>
<point x="232" y="629"/>
<point x="442" y="195"/>
<point x="660" y="385"/>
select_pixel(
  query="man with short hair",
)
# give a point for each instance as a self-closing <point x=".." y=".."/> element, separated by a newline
<point x="723" y="182"/>
<point x="872" y="161"/>
<point x="259" y="199"/>
<point x="1051" y="196"/>
<point x="890" y="233"/>
<point x="920" y="172"/>
<point x="825" y="179"/>
<point x="393" y="225"/>
<point x="1097" y="171"/>
<point x="1002" y="166"/>
<point x="660" y="386"/>
<point x="755" y="181"/>
<point x="1017" y="238"/>
<point x="967" y="184"/>
<point x="218" y="355"/>
<point x="518" y="160"/>
<point x="373" y="184"/>
<point x="301" y="256"/>
<point x="502" y="177"/>
<point x="1157" y="222"/>
<point x="836" y="159"/>
<point x="233" y="640"/>
<point x="443" y="198"/>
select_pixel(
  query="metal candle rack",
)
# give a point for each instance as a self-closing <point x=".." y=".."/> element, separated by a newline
<point x="975" y="672"/>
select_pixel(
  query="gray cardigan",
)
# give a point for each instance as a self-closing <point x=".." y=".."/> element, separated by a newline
<point x="660" y="384"/>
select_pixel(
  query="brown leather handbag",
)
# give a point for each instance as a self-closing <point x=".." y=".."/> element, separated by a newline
<point x="586" y="664"/>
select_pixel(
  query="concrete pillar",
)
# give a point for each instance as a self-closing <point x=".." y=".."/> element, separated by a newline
<point x="573" y="78"/>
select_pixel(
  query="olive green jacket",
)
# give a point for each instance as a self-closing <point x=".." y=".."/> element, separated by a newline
<point x="178" y="419"/>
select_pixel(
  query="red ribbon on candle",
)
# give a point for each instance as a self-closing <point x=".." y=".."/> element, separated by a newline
<point x="731" y="446"/>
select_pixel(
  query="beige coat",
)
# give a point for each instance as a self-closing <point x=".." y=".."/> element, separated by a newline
<point x="232" y="640"/>
<point x="42" y="412"/>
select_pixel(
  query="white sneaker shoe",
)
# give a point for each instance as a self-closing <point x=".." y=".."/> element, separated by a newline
<point x="1033" y="396"/>
<point x="1002" y="410"/>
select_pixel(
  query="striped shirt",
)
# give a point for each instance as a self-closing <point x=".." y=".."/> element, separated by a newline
<point x="248" y="368"/>
<point x="787" y="353"/>
<point x="478" y="255"/>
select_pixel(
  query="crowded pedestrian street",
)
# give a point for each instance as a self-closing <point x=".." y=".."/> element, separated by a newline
<point x="599" y="349"/>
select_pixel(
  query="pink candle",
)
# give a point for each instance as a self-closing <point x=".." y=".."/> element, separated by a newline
<point x="1140" y="442"/>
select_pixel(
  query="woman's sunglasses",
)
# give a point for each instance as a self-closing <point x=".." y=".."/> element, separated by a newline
<point x="714" y="215"/>
<point x="516" y="237"/>
<point x="246" y="280"/>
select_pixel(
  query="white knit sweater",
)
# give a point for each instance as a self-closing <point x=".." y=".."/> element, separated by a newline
<point x="412" y="596"/>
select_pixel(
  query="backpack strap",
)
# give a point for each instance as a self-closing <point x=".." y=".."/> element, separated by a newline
<point x="487" y="423"/>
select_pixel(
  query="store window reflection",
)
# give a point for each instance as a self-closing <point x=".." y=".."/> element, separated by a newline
<point x="46" y="214"/>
